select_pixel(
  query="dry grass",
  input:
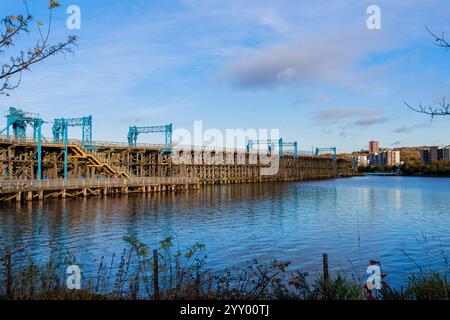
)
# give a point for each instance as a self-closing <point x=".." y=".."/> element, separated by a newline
<point x="182" y="275"/>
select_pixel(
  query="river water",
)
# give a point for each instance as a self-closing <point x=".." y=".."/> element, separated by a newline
<point x="402" y="221"/>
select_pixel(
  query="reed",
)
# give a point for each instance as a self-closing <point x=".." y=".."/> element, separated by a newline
<point x="169" y="274"/>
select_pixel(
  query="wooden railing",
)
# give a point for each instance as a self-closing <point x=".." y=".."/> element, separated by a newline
<point x="27" y="140"/>
<point x="7" y="186"/>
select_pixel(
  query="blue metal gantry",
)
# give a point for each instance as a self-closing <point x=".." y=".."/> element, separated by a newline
<point x="18" y="121"/>
<point x="293" y="144"/>
<point x="332" y="149"/>
<point x="61" y="134"/>
<point x="134" y="132"/>
<point x="271" y="145"/>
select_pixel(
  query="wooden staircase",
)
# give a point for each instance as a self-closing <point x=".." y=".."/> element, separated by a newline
<point x="102" y="166"/>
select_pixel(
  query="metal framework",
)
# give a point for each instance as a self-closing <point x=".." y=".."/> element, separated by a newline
<point x="61" y="134"/>
<point x="271" y="145"/>
<point x="134" y="132"/>
<point x="61" y="126"/>
<point x="18" y="121"/>
<point x="293" y="144"/>
<point x="332" y="149"/>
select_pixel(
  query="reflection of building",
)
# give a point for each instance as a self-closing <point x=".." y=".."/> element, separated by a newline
<point x="373" y="146"/>
<point x="360" y="160"/>
<point x="434" y="154"/>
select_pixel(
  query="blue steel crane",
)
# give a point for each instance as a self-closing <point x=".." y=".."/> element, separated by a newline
<point x="61" y="127"/>
<point x="271" y="145"/>
<point x="18" y="121"/>
<point x="289" y="144"/>
<point x="332" y="149"/>
<point x="134" y="132"/>
<point x="61" y="134"/>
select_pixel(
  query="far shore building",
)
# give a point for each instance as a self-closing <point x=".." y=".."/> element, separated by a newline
<point x="359" y="160"/>
<point x="376" y="156"/>
<point x="373" y="147"/>
<point x="435" y="153"/>
<point x="387" y="157"/>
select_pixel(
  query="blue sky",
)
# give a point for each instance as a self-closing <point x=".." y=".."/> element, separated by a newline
<point x="310" y="68"/>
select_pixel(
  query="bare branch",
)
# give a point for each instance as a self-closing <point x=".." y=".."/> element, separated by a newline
<point x="439" y="41"/>
<point x="10" y="28"/>
<point x="442" y="110"/>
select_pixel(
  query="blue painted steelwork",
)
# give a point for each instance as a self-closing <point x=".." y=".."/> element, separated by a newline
<point x="289" y="144"/>
<point x="271" y="145"/>
<point x="61" y="134"/>
<point x="332" y="149"/>
<point x="134" y="132"/>
<point x="60" y="126"/>
<point x="19" y="120"/>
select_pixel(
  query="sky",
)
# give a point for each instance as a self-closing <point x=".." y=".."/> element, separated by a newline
<point x="309" y="68"/>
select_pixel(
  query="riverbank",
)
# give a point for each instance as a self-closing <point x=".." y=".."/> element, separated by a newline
<point x="141" y="273"/>
<point x="392" y="174"/>
<point x="436" y="169"/>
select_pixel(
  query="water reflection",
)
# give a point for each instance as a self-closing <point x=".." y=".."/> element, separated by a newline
<point x="351" y="219"/>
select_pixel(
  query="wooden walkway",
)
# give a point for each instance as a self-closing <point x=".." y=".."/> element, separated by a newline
<point x="28" y="190"/>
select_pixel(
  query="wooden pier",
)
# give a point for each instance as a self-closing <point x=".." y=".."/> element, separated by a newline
<point x="115" y="168"/>
<point x="23" y="190"/>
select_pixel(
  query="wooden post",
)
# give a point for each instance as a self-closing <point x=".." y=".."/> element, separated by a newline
<point x="197" y="283"/>
<point x="8" y="273"/>
<point x="155" y="273"/>
<point x="326" y="276"/>
<point x="209" y="287"/>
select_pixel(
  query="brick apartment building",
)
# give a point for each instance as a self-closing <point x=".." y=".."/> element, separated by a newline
<point x="377" y="156"/>
<point x="431" y="154"/>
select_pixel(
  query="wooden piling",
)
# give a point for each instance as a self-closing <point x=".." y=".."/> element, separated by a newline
<point x="8" y="274"/>
<point x="155" y="274"/>
<point x="326" y="276"/>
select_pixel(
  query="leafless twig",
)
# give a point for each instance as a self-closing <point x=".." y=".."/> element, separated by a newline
<point x="10" y="29"/>
<point x="439" y="40"/>
<point x="442" y="110"/>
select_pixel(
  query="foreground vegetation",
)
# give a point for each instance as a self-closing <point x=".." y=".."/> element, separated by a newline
<point x="163" y="274"/>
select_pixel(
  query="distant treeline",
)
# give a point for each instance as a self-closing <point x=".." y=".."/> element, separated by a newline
<point x="440" y="168"/>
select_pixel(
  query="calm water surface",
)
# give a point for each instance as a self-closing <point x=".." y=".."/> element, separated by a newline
<point x="403" y="221"/>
